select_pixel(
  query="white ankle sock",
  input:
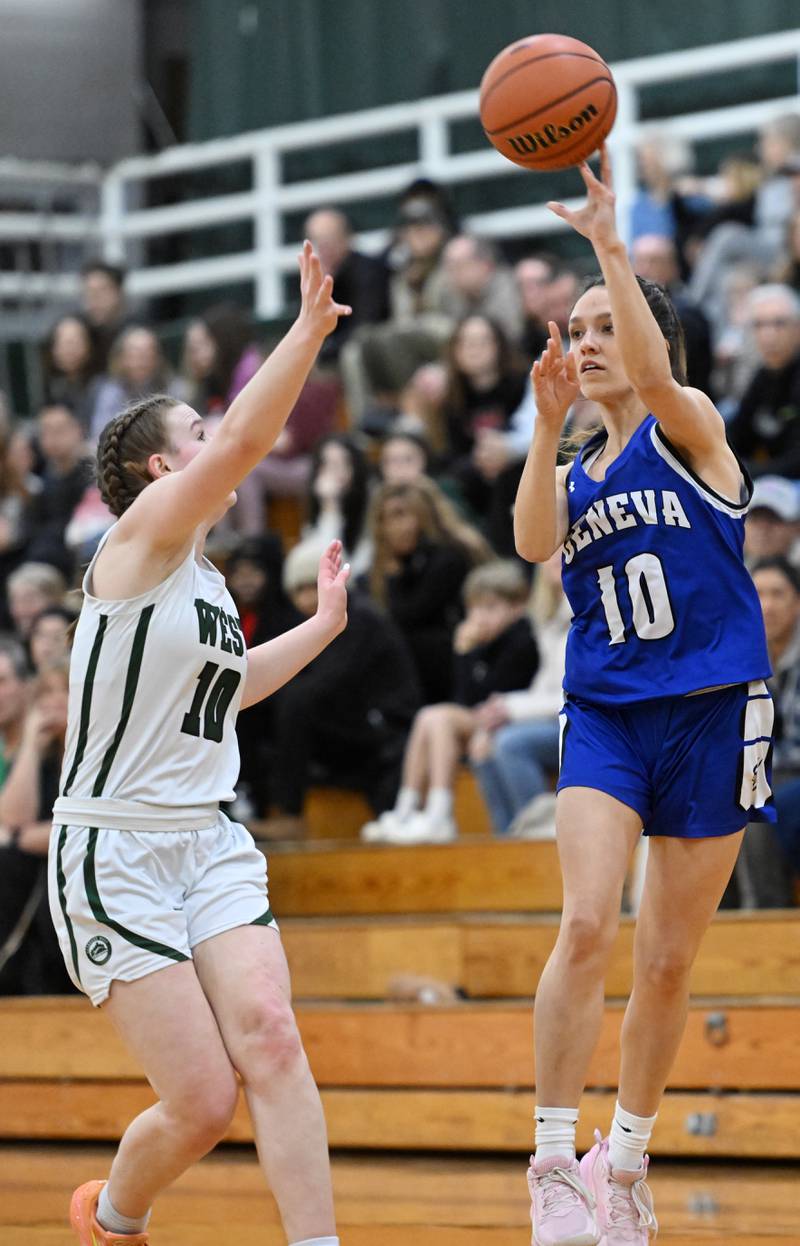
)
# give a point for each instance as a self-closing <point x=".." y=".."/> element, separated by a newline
<point x="439" y="803"/>
<point x="555" y="1132"/>
<point x="110" y="1219"/>
<point x="628" y="1139"/>
<point x="317" y="1241"/>
<point x="407" y="802"/>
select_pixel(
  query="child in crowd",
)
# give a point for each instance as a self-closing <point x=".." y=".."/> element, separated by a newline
<point x="494" y="651"/>
<point x="515" y="746"/>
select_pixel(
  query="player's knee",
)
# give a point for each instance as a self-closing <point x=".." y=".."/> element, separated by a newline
<point x="202" y="1116"/>
<point x="665" y="969"/>
<point x="431" y="714"/>
<point x="270" y="1043"/>
<point x="586" y="938"/>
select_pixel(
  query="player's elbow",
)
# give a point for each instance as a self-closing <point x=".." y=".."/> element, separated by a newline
<point x="653" y="385"/>
<point x="531" y="549"/>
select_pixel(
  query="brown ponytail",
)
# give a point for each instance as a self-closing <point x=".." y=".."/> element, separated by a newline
<point x="126" y="444"/>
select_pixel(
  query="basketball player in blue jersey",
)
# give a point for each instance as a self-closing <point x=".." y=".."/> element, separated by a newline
<point x="666" y="723"/>
<point x="159" y="900"/>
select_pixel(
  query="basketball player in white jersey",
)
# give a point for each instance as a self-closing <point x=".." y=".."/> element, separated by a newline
<point x="160" y="902"/>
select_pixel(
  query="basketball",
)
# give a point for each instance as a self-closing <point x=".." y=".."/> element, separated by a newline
<point x="547" y="102"/>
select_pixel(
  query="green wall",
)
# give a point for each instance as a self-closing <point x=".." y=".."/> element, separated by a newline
<point x="259" y="63"/>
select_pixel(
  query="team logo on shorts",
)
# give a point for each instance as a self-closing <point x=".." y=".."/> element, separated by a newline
<point x="98" y="949"/>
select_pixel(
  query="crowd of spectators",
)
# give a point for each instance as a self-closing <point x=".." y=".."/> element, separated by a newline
<point x="407" y="443"/>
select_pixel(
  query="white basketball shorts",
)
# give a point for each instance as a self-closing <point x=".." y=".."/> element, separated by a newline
<point x="125" y="903"/>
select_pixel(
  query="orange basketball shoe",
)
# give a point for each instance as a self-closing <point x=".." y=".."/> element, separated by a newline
<point x="83" y="1218"/>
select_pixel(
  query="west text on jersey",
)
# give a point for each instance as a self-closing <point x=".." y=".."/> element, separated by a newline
<point x="624" y="510"/>
<point x="217" y="627"/>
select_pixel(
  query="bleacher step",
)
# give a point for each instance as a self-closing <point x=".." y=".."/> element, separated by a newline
<point x="727" y="1045"/>
<point x="491" y="956"/>
<point x="470" y="875"/>
<point x="697" y="1123"/>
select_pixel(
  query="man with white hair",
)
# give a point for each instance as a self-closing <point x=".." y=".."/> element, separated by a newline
<point x="477" y="283"/>
<point x="766" y="429"/>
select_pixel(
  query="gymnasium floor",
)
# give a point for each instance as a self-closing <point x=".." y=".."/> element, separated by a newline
<point x="391" y="1201"/>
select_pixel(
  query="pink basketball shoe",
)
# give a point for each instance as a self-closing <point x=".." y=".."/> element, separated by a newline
<point x="624" y="1202"/>
<point x="562" y="1209"/>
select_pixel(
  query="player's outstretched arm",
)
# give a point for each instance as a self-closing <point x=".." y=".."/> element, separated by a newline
<point x="169" y="512"/>
<point x="273" y="664"/>
<point x="688" y="416"/>
<point x="540" y="511"/>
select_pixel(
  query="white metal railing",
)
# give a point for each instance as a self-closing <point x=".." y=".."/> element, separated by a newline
<point x="120" y="225"/>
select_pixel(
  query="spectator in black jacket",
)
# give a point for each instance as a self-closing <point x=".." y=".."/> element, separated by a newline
<point x="765" y="432"/>
<point x="360" y="281"/>
<point x="346" y="716"/>
<point x="68" y="469"/>
<point x="494" y="651"/>
<point x="422" y="552"/>
<point x="253" y="574"/>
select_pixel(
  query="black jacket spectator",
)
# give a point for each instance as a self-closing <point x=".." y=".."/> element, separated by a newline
<point x="505" y="664"/>
<point x="766" y="429"/>
<point x="345" y="717"/>
<point x="66" y="473"/>
<point x="253" y="574"/>
<point x="361" y="282"/>
<point x="424" y="599"/>
<point x="697" y="337"/>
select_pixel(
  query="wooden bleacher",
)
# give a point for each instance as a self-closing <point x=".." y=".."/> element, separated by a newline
<point x="478" y="916"/>
<point x="338" y="813"/>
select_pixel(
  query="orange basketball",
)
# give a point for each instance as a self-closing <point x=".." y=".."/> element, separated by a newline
<point x="547" y="102"/>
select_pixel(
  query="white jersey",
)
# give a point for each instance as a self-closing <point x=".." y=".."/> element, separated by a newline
<point x="155" y="686"/>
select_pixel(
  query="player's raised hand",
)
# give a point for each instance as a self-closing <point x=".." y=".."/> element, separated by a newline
<point x="317" y="308"/>
<point x="555" y="381"/>
<point x="332" y="589"/>
<point x="597" y="220"/>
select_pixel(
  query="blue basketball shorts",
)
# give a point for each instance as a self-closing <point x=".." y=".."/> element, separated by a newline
<point x="691" y="766"/>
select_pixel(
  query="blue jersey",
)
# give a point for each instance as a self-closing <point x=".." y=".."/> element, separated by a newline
<point x="653" y="568"/>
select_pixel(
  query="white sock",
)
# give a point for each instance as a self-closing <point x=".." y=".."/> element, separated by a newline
<point x="110" y="1219"/>
<point x="628" y="1139"/>
<point x="555" y="1132"/>
<point x="407" y="802"/>
<point x="439" y="803"/>
<point x="317" y="1241"/>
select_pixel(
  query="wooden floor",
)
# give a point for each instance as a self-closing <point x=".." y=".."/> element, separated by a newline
<point x="389" y="1201"/>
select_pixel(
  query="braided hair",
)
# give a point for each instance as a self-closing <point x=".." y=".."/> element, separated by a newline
<point x="665" y="316"/>
<point x="126" y="444"/>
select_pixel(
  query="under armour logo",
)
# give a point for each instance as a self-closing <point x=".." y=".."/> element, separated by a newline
<point x="572" y="486"/>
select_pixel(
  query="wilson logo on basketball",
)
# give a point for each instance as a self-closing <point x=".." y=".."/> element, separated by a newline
<point x="550" y="135"/>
